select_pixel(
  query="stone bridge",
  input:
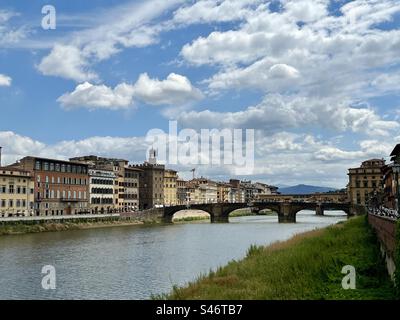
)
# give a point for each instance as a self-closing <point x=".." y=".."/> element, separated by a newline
<point x="219" y="212"/>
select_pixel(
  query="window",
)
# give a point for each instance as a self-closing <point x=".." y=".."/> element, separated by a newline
<point x="37" y="165"/>
<point x="51" y="166"/>
<point x="11" y="188"/>
<point x="46" y="166"/>
<point x="18" y="203"/>
<point x="10" y="203"/>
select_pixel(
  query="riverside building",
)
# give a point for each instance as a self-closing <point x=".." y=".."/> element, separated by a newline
<point x="170" y="187"/>
<point x="151" y="179"/>
<point x="101" y="191"/>
<point x="60" y="187"/>
<point x="126" y="181"/>
<point x="16" y="193"/>
<point x="365" y="181"/>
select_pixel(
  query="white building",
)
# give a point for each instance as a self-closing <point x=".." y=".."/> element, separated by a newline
<point x="101" y="190"/>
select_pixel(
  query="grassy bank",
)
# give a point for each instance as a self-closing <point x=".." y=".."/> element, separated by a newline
<point x="190" y="219"/>
<point x="21" y="228"/>
<point x="307" y="266"/>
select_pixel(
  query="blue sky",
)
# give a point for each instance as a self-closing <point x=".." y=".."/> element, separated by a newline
<point x="316" y="79"/>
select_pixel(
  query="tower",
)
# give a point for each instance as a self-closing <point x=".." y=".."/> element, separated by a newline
<point x="152" y="156"/>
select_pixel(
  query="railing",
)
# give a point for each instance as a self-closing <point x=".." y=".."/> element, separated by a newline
<point x="384" y="212"/>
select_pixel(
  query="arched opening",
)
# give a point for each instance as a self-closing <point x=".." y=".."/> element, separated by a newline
<point x="194" y="215"/>
<point x="253" y="214"/>
<point x="329" y="215"/>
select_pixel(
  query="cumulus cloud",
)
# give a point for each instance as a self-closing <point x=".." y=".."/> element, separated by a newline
<point x="264" y="75"/>
<point x="98" y="96"/>
<point x="5" y="80"/>
<point x="278" y="112"/>
<point x="304" y="35"/>
<point x="66" y="61"/>
<point x="175" y="90"/>
<point x="16" y="146"/>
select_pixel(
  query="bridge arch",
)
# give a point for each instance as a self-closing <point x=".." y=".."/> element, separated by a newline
<point x="219" y="212"/>
<point x="176" y="217"/>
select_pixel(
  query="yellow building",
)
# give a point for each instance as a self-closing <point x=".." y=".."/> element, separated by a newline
<point x="16" y="193"/>
<point x="223" y="190"/>
<point x="365" y="180"/>
<point x="170" y="188"/>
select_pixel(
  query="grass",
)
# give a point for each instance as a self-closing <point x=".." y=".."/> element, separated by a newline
<point x="21" y="228"/>
<point x="194" y="218"/>
<point x="308" y="266"/>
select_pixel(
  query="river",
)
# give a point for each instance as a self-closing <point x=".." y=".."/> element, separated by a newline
<point x="135" y="262"/>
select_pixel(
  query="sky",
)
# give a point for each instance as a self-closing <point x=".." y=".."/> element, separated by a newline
<point x="317" y="80"/>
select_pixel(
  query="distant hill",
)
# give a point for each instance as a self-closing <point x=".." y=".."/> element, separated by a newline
<point x="304" y="189"/>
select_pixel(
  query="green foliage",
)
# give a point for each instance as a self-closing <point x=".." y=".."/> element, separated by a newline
<point x="306" y="267"/>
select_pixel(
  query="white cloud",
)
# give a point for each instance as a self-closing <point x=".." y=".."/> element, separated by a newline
<point x="10" y="35"/>
<point x="278" y="112"/>
<point x="16" y="146"/>
<point x="263" y="74"/>
<point x="206" y="11"/>
<point x="129" y="25"/>
<point x="175" y="90"/>
<point x="66" y="61"/>
<point x="98" y="96"/>
<point x="5" y="80"/>
<point x="335" y="55"/>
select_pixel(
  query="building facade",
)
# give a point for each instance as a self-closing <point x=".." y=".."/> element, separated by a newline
<point x="129" y="189"/>
<point x="60" y="187"/>
<point x="16" y="193"/>
<point x="365" y="181"/>
<point x="102" y="197"/>
<point x="126" y="182"/>
<point x="170" y="187"/>
<point x="182" y="192"/>
<point x="391" y="181"/>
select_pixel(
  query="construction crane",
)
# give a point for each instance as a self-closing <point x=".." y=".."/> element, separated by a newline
<point x="192" y="171"/>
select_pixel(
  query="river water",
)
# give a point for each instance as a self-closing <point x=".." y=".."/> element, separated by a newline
<point x="135" y="262"/>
